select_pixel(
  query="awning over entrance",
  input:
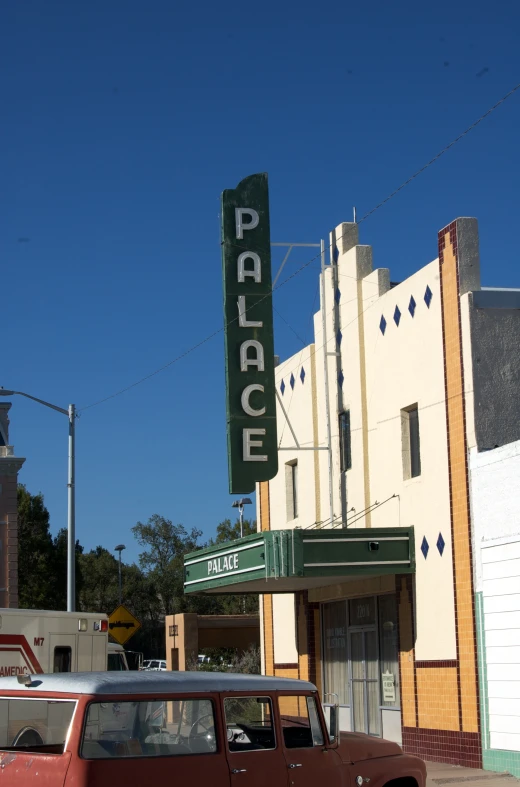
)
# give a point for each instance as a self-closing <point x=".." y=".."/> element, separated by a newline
<point x="284" y="561"/>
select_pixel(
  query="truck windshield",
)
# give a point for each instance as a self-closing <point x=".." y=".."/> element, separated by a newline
<point x="115" y="662"/>
<point x="35" y="725"/>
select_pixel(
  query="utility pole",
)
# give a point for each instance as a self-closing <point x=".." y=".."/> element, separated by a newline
<point x="119" y="548"/>
<point x="71" y="492"/>
<point x="71" y="523"/>
<point x="326" y="379"/>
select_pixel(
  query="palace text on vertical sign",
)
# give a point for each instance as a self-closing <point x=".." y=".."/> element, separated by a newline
<point x="248" y="316"/>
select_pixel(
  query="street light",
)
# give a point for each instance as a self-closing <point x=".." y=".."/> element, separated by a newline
<point x="240" y="505"/>
<point x="71" y="495"/>
<point x="119" y="548"/>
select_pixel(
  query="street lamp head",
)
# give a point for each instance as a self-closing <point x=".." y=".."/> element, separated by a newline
<point x="240" y="503"/>
<point x="119" y="548"/>
<point x="6" y="392"/>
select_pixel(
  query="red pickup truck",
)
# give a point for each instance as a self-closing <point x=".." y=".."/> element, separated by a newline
<point x="196" y="728"/>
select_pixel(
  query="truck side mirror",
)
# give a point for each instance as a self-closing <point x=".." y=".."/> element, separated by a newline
<point x="334" y="732"/>
<point x="334" y="724"/>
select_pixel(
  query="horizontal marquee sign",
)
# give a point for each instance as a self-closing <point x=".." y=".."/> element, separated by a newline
<point x="237" y="559"/>
<point x="287" y="560"/>
<point x="248" y="331"/>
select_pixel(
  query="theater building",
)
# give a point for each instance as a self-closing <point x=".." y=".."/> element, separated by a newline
<point x="363" y="558"/>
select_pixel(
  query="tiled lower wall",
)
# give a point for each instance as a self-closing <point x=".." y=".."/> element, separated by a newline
<point x="501" y="761"/>
<point x="432" y="719"/>
<point x="454" y="748"/>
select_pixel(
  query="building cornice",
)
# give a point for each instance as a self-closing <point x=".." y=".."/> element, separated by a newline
<point x="10" y="465"/>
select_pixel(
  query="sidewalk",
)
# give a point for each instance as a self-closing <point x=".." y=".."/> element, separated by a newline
<point x="440" y="774"/>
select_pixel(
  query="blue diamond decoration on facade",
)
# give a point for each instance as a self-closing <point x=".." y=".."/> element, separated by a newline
<point x="428" y="295"/>
<point x="412" y="306"/>
<point x="440" y="544"/>
<point x="337" y="295"/>
<point x="341" y="379"/>
<point x="397" y="315"/>
<point x="292" y="381"/>
<point x="425" y="547"/>
<point x="382" y="325"/>
<point x="339" y="337"/>
<point x="335" y="254"/>
<point x="302" y="375"/>
<point x="282" y="387"/>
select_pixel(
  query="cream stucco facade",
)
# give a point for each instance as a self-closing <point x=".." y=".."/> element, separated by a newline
<point x="401" y="358"/>
<point x="384" y="373"/>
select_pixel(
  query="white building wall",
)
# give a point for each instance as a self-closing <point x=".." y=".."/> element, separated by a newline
<point x="495" y="494"/>
<point x="382" y="374"/>
<point x="297" y="402"/>
<point x="405" y="366"/>
<point x="285" y="648"/>
<point x="402" y="366"/>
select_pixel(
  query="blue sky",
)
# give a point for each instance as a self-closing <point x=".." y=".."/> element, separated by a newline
<point x="121" y="124"/>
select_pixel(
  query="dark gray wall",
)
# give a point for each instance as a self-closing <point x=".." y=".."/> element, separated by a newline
<point x="495" y="333"/>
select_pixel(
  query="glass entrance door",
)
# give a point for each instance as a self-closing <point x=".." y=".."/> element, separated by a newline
<point x="366" y="715"/>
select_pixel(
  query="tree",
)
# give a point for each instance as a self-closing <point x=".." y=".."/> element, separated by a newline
<point x="42" y="559"/>
<point x="35" y="552"/>
<point x="60" y="558"/>
<point x="100" y="591"/>
<point x="236" y="604"/>
<point x="228" y="532"/>
<point x="163" y="559"/>
<point x="228" y="660"/>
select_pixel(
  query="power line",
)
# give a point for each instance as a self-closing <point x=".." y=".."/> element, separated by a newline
<point x="442" y="152"/>
<point x="328" y="524"/>
<point x="290" y="326"/>
<point x="309" y="262"/>
<point x="152" y="374"/>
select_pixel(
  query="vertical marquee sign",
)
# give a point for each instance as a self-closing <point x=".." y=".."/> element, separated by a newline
<point x="248" y="328"/>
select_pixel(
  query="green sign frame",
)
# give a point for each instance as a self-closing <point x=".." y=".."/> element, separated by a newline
<point x="284" y="561"/>
<point x="248" y="331"/>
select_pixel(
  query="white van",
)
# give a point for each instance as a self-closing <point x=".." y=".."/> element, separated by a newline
<point x="40" y="641"/>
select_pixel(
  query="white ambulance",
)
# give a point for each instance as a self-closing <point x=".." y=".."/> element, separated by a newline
<point x="37" y="641"/>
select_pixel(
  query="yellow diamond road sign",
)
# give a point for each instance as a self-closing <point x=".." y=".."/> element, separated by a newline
<point x="122" y="625"/>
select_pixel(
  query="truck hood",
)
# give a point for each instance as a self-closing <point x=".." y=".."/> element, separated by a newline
<point x="355" y="747"/>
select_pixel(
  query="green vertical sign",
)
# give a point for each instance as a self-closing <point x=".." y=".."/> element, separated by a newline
<point x="248" y="316"/>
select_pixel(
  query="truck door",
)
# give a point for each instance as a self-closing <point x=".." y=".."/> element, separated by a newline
<point x="310" y="761"/>
<point x="254" y="754"/>
<point x="63" y="653"/>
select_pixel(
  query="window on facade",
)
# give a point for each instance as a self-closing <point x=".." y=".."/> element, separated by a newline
<point x="291" y="485"/>
<point x="151" y="728"/>
<point x="62" y="659"/>
<point x="249" y="723"/>
<point x="389" y="651"/>
<point x="301" y="725"/>
<point x="362" y="611"/>
<point x="335" y="657"/>
<point x="344" y="441"/>
<point x="411" y="442"/>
